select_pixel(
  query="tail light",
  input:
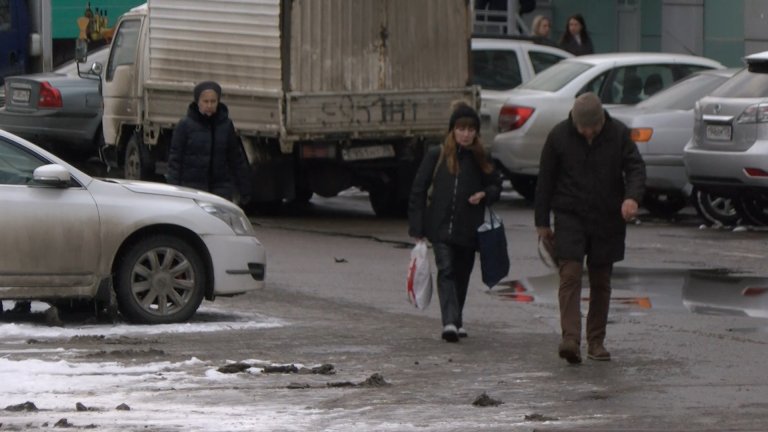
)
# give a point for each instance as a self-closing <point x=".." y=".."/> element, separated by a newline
<point x="50" y="96"/>
<point x="754" y="114"/>
<point x="639" y="135"/>
<point x="755" y="172"/>
<point x="513" y="117"/>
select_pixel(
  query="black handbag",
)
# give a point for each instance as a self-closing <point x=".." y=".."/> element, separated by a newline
<point x="492" y="245"/>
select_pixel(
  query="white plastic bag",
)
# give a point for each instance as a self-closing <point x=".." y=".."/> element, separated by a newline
<point x="418" y="284"/>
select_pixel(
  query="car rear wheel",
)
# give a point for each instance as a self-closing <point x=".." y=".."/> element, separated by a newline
<point x="525" y="186"/>
<point x="664" y="205"/>
<point x="715" y="210"/>
<point x="160" y="280"/>
<point x="754" y="210"/>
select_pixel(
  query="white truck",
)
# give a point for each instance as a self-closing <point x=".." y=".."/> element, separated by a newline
<point x="324" y="94"/>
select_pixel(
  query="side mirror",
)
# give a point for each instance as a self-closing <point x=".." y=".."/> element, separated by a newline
<point x="97" y="68"/>
<point x="81" y="50"/>
<point x="51" y="175"/>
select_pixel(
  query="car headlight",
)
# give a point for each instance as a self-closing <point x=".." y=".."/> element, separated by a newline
<point x="235" y="218"/>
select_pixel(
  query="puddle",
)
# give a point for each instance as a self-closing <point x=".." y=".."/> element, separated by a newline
<point x="700" y="291"/>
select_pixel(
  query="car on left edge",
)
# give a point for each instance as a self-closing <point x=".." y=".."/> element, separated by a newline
<point x="154" y="249"/>
<point x="60" y="110"/>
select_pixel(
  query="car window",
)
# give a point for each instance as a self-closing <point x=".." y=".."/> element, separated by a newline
<point x="496" y="69"/>
<point x="684" y="94"/>
<point x="748" y="83"/>
<point x="596" y="85"/>
<point x="17" y="164"/>
<point x="124" y="46"/>
<point x="543" y="60"/>
<point x="557" y="76"/>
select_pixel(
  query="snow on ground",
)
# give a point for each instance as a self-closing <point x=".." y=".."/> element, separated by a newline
<point x="190" y="395"/>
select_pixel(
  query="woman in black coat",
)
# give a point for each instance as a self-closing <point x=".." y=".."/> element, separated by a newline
<point x="206" y="153"/>
<point x="452" y="187"/>
<point x="576" y="38"/>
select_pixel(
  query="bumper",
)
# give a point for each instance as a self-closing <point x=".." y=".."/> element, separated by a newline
<point x="517" y="152"/>
<point x="665" y="172"/>
<point x="724" y="172"/>
<point x="51" y="126"/>
<point x="239" y="264"/>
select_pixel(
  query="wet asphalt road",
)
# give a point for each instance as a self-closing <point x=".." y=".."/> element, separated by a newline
<point x="336" y="279"/>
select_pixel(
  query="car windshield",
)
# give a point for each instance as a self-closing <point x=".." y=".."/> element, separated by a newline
<point x="556" y="77"/>
<point x="684" y="94"/>
<point x="749" y="83"/>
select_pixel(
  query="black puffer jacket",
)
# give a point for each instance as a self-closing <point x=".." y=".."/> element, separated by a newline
<point x="585" y="186"/>
<point x="449" y="217"/>
<point x="206" y="154"/>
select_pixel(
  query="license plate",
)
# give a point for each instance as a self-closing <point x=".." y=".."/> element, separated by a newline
<point x="719" y="132"/>
<point x="20" y="96"/>
<point x="370" y="152"/>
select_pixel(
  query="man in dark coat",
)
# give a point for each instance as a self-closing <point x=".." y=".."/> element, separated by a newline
<point x="206" y="153"/>
<point x="592" y="177"/>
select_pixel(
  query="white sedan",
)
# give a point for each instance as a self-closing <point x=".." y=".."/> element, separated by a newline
<point x="534" y="108"/>
<point x="154" y="249"/>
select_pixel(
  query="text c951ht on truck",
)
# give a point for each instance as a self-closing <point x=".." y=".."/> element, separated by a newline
<point x="325" y="95"/>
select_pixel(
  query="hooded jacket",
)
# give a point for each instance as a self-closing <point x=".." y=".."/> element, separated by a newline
<point x="206" y="154"/>
<point x="447" y="216"/>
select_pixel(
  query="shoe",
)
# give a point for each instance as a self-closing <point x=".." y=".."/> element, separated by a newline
<point x="598" y="352"/>
<point x="462" y="332"/>
<point x="450" y="334"/>
<point x="569" y="350"/>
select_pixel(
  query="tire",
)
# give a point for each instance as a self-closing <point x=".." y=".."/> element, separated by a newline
<point x="664" y="205"/>
<point x="715" y="210"/>
<point x="525" y="186"/>
<point x="137" y="164"/>
<point x="160" y="280"/>
<point x="384" y="201"/>
<point x="753" y="210"/>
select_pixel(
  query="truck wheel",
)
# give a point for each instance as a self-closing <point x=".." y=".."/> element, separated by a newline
<point x="138" y="162"/>
<point x="385" y="202"/>
<point x="160" y="280"/>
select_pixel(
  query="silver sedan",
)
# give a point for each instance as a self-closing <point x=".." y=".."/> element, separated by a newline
<point x="153" y="250"/>
<point x="661" y="126"/>
<point x="60" y="110"/>
<point x="534" y="108"/>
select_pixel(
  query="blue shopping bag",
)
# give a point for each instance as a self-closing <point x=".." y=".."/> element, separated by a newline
<point x="492" y="245"/>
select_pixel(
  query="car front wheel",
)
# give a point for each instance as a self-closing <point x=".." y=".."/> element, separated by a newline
<point x="161" y="279"/>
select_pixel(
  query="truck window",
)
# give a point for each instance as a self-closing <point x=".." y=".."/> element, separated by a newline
<point x="124" y="46"/>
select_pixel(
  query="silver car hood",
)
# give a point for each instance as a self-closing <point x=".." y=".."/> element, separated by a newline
<point x="154" y="188"/>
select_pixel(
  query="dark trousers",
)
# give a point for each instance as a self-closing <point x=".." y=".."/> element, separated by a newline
<point x="454" y="265"/>
<point x="569" y="296"/>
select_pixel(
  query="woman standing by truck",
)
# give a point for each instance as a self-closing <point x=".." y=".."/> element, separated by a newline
<point x="205" y="151"/>
<point x="454" y="184"/>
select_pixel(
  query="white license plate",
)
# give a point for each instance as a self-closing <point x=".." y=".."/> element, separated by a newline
<point x="370" y="152"/>
<point x="719" y="132"/>
<point x="20" y="96"/>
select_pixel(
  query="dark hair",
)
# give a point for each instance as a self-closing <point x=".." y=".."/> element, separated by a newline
<point x="567" y="36"/>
